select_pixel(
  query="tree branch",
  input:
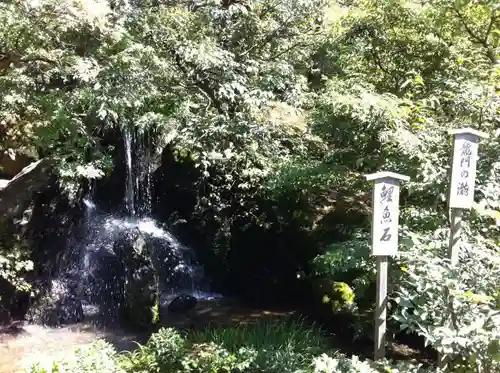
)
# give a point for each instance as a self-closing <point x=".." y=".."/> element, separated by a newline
<point x="268" y="38"/>
<point x="11" y="57"/>
<point x="467" y="28"/>
<point x="202" y="84"/>
<point x="490" y="26"/>
<point x="482" y="41"/>
<point x="379" y="64"/>
<point x="268" y="9"/>
<point x="36" y="59"/>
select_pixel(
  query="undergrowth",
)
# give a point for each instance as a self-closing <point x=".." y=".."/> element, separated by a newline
<point x="286" y="347"/>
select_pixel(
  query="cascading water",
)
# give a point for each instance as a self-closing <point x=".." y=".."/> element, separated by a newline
<point x="129" y="186"/>
<point x="138" y="196"/>
<point x="96" y="269"/>
<point x="142" y="185"/>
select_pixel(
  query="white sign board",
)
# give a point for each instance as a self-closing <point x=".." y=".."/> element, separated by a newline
<point x="385" y="218"/>
<point x="385" y="212"/>
<point x="463" y="172"/>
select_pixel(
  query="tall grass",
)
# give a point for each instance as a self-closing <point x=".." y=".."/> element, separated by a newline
<point x="291" y="334"/>
<point x="283" y="346"/>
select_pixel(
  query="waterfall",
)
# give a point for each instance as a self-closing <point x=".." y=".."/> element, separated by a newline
<point x="129" y="184"/>
<point x="138" y="194"/>
<point x="143" y="174"/>
<point x="95" y="259"/>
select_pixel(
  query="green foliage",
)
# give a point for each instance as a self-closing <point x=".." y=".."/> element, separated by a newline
<point x="239" y="350"/>
<point x="342" y="295"/>
<point x="267" y="346"/>
<point x="342" y="364"/>
<point x="168" y="351"/>
<point x="392" y="77"/>
<point x="15" y="262"/>
<point x="342" y="257"/>
<point x="204" y="72"/>
<point x="454" y="307"/>
<point x="98" y="357"/>
<point x="13" y="266"/>
<point x="284" y="345"/>
<point x="210" y="357"/>
<point x="163" y="352"/>
<point x="265" y="335"/>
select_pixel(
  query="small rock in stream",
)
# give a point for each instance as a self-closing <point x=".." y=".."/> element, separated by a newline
<point x="182" y="303"/>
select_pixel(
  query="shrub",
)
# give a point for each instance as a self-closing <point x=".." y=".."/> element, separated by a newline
<point x="97" y="357"/>
<point x="14" y="264"/>
<point x="342" y="364"/>
<point x="212" y="358"/>
<point x="267" y="346"/>
<point x="163" y="352"/>
<point x="454" y="307"/>
<point x="169" y="352"/>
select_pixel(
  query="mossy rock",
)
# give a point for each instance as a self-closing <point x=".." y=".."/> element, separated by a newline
<point x="142" y="301"/>
<point x="141" y="289"/>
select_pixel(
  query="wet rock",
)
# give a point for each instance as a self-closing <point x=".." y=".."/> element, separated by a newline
<point x="17" y="194"/>
<point x="11" y="163"/>
<point x="69" y="310"/>
<point x="182" y="303"/>
<point x="58" y="306"/>
<point x="173" y="262"/>
<point x="141" y="285"/>
<point x="106" y="285"/>
<point x="5" y="318"/>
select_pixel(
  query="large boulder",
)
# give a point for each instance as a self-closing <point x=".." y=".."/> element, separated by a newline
<point x="141" y="287"/>
<point x="58" y="306"/>
<point x="13" y="163"/>
<point x="17" y="193"/>
<point x="173" y="262"/>
<point x="105" y="284"/>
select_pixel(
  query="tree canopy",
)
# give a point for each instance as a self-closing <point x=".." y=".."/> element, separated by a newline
<point x="251" y="85"/>
<point x="269" y="100"/>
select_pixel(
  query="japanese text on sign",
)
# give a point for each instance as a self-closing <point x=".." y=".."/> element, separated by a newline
<point x="463" y="171"/>
<point x="385" y="217"/>
<point x="386" y="220"/>
<point x="465" y="159"/>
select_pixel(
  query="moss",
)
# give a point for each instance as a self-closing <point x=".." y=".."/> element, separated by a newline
<point x="342" y="295"/>
<point x="155" y="311"/>
<point x="339" y="295"/>
<point x="143" y="309"/>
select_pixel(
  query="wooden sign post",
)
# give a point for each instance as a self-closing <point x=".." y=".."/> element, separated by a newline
<point x="385" y="221"/>
<point x="461" y="194"/>
<point x="463" y="179"/>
